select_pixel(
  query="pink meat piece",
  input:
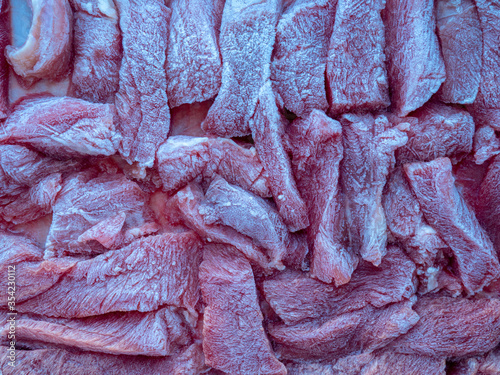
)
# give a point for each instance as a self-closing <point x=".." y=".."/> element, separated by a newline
<point x="294" y="296"/>
<point x="246" y="42"/>
<point x="4" y="67"/>
<point x="151" y="272"/>
<point x="187" y="118"/>
<point x="234" y="340"/>
<point x="300" y="54"/>
<point x="486" y="144"/>
<point x="97" y="51"/>
<point x="452" y="327"/>
<point x="356" y="72"/>
<point x="268" y="131"/>
<point x="183" y="159"/>
<point x="460" y="36"/>
<point x="445" y="210"/>
<point x="141" y="100"/>
<point x="46" y="52"/>
<point x="369" y="145"/>
<point x="415" y="67"/>
<point x="485" y="116"/>
<point x="389" y="362"/>
<point x="316" y="153"/>
<point x="194" y="64"/>
<point x="440" y="130"/>
<point x="91" y="215"/>
<point x="63" y="127"/>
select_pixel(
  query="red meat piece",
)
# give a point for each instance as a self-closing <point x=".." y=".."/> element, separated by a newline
<point x="491" y="364"/>
<point x="300" y="53"/>
<point x="486" y="144"/>
<point x="394" y="363"/>
<point x="488" y="202"/>
<point x="246" y="43"/>
<point x="356" y="71"/>
<point x="414" y="64"/>
<point x="233" y="337"/>
<point x="187" y="118"/>
<point x="349" y="365"/>
<point x="4" y="67"/>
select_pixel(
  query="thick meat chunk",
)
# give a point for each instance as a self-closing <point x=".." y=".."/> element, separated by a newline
<point x="445" y="210"/>
<point x="149" y="273"/>
<point x="246" y="42"/>
<point x="194" y="64"/>
<point x="369" y="145"/>
<point x="300" y="53"/>
<point x="97" y="51"/>
<point x="317" y="151"/>
<point x="414" y="63"/>
<point x="141" y="100"/>
<point x="233" y="337"/>
<point x="5" y="39"/>
<point x="394" y="363"/>
<point x="486" y="144"/>
<point x="63" y="127"/>
<point x="356" y="72"/>
<point x="460" y="36"/>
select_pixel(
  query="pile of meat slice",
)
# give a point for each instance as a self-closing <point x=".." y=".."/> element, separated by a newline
<point x="250" y="187"/>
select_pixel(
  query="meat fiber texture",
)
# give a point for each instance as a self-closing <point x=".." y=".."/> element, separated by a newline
<point x="4" y="67"/>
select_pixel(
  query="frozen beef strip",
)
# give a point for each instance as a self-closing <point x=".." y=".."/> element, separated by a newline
<point x="5" y="38"/>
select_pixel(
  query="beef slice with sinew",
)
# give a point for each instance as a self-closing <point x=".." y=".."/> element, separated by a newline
<point x="234" y="340"/>
<point x="5" y="38"/>
<point x="455" y="222"/>
<point x="194" y="63"/>
<point x="369" y="145"/>
<point x="300" y="53"/>
<point x="356" y="72"/>
<point x="414" y="64"/>
<point x="97" y="50"/>
<point x="246" y="42"/>
<point x="316" y="154"/>
<point x="294" y="296"/>
<point x="151" y="272"/>
<point x="141" y="100"/>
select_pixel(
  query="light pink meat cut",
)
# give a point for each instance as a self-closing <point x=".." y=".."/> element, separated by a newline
<point x="5" y="39"/>
<point x="141" y="100"/>
<point x="356" y="72"/>
<point x="187" y="119"/>
<point x="233" y="337"/>
<point x="246" y="42"/>
<point x="300" y="53"/>
<point x="414" y="64"/>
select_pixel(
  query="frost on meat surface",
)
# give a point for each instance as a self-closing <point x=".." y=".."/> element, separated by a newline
<point x="356" y="72"/>
<point x="97" y="50"/>
<point x="446" y="211"/>
<point x="268" y="131"/>
<point x="5" y="38"/>
<point x="246" y="42"/>
<point x="389" y="362"/>
<point x="486" y="144"/>
<point x="414" y="64"/>
<point x="460" y="36"/>
<point x="194" y="63"/>
<point x="63" y="127"/>
<point x="488" y="202"/>
<point x="46" y="52"/>
<point x="300" y="53"/>
<point x="234" y="340"/>
<point x="316" y="153"/>
<point x="294" y="296"/>
<point x="369" y="145"/>
<point x="141" y="100"/>
<point x="182" y="159"/>
<point x="151" y="272"/>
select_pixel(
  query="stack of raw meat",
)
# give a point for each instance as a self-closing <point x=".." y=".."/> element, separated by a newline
<point x="250" y="186"/>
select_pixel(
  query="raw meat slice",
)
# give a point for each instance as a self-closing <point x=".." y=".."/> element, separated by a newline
<point x="246" y="42"/>
<point x="460" y="37"/>
<point x="452" y="327"/>
<point x="46" y="52"/>
<point x="182" y="159"/>
<point x="440" y="130"/>
<point x="445" y="210"/>
<point x="317" y="150"/>
<point x="4" y="67"/>
<point x="141" y="100"/>
<point x="294" y="296"/>
<point x="268" y="131"/>
<point x="187" y="118"/>
<point x="63" y="127"/>
<point x="369" y="145"/>
<point x="468" y="179"/>
<point x="151" y="272"/>
<point x="300" y="53"/>
<point x="395" y="363"/>
<point x="233" y="337"/>
<point x="194" y="64"/>
<point x="356" y="72"/>
<point x="91" y="215"/>
<point x="486" y="144"/>
<point x="97" y="51"/>
<point x="414" y="64"/>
